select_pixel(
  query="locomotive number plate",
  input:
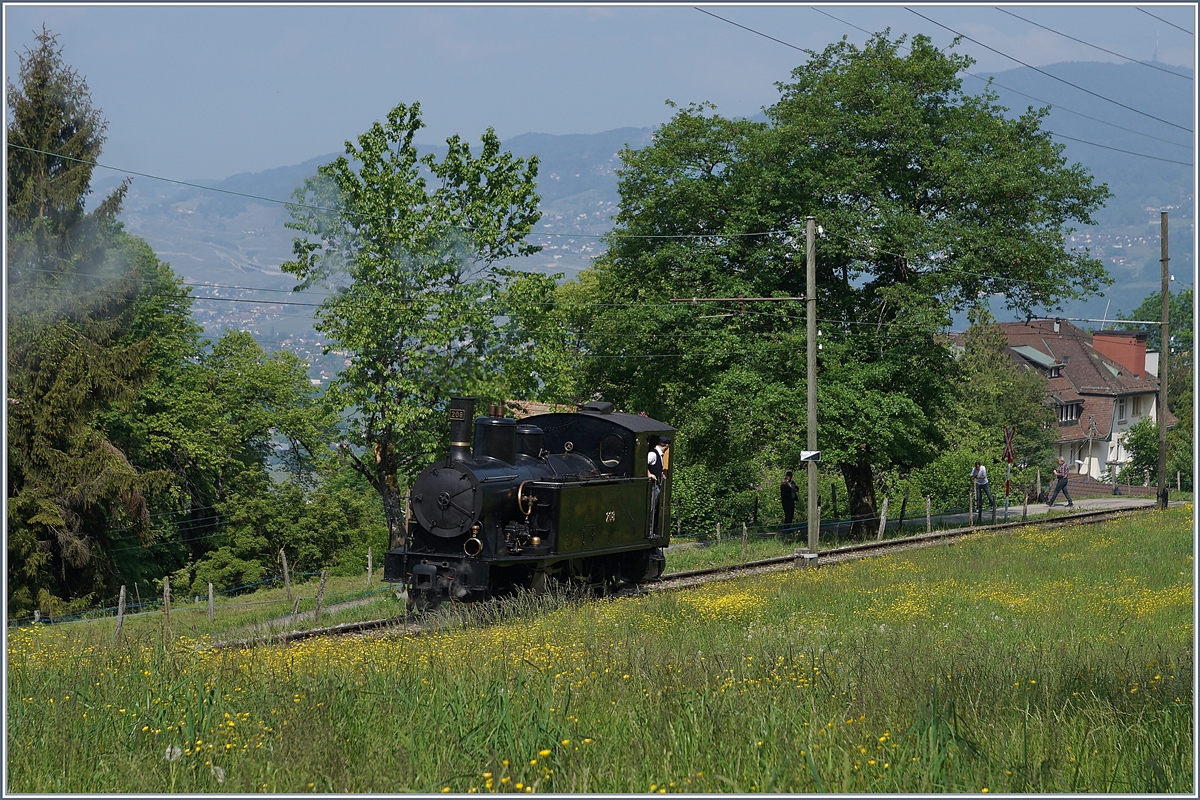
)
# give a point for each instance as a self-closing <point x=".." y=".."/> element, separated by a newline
<point x="610" y="516"/>
<point x="457" y="414"/>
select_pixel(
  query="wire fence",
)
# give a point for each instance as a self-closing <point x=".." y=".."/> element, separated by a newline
<point x="156" y="605"/>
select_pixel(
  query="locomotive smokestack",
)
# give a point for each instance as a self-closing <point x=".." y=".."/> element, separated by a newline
<point x="462" y="413"/>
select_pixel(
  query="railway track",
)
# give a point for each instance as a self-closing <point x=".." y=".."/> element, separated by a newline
<point x="679" y="580"/>
<point x="682" y="580"/>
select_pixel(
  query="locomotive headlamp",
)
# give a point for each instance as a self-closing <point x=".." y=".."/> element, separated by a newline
<point x="475" y="529"/>
<point x="535" y="541"/>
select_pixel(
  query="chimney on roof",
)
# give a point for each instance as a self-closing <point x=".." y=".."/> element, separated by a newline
<point x="1127" y="348"/>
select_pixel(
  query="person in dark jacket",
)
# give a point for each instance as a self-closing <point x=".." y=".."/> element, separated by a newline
<point x="788" y="492"/>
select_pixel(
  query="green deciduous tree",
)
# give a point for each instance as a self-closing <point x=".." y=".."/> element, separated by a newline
<point x="928" y="198"/>
<point x="409" y="243"/>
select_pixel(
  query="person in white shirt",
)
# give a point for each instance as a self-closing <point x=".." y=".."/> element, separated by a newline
<point x="982" y="487"/>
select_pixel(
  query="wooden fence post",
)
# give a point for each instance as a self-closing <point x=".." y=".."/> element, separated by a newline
<point x="882" y="519"/>
<point x="287" y="581"/>
<point x="903" y="508"/>
<point x="928" y="517"/>
<point x="1178" y="483"/>
<point x="1024" y="506"/>
<point x="718" y="533"/>
<point x="370" y="568"/>
<point x="1039" y="483"/>
<point x="167" y="609"/>
<point x="320" y="595"/>
<point x="210" y="602"/>
<point x="971" y="509"/>
<point x="745" y="540"/>
<point x="296" y="606"/>
<point x="120" y="616"/>
<point x="833" y="491"/>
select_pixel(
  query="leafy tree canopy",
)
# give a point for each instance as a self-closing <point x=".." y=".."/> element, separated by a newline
<point x="409" y="243"/>
<point x="928" y="198"/>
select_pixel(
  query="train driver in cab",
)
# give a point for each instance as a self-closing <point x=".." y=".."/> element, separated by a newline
<point x="656" y="463"/>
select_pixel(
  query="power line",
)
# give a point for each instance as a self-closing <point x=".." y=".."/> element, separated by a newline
<point x="1160" y="19"/>
<point x="1057" y="106"/>
<point x="1094" y="46"/>
<point x="1119" y="150"/>
<point x="1002" y="86"/>
<point x="1048" y="75"/>
<point x="743" y="27"/>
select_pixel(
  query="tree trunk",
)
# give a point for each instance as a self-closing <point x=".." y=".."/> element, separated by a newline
<point x="860" y="494"/>
<point x="393" y="509"/>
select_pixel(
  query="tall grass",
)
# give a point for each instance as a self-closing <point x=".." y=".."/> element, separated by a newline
<point x="1038" y="661"/>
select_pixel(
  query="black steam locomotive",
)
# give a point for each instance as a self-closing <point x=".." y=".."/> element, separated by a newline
<point x="565" y="496"/>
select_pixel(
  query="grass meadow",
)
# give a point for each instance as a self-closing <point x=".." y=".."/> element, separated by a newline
<point x="1028" y="661"/>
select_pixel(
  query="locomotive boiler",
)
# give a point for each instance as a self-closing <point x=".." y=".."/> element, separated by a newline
<point x="563" y="496"/>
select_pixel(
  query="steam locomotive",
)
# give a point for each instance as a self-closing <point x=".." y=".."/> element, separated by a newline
<point x="564" y="496"/>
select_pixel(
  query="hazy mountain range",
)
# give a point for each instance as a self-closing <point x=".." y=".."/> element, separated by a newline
<point x="237" y="241"/>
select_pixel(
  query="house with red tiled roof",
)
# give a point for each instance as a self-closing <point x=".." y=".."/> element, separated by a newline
<point x="1097" y="382"/>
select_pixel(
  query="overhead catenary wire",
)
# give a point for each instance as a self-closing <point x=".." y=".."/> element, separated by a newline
<point x="1049" y="75"/>
<point x="1094" y="46"/>
<point x="1006" y="88"/>
<point x="1165" y="22"/>
<point x="1056" y="106"/>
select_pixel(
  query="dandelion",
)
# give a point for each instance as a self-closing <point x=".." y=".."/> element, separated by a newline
<point x="543" y="753"/>
<point x="218" y="773"/>
<point x="173" y="753"/>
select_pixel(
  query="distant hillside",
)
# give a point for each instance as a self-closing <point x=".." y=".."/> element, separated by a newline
<point x="1126" y="234"/>
<point x="239" y="241"/>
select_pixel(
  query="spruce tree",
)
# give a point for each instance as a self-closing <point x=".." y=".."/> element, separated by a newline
<point x="71" y="304"/>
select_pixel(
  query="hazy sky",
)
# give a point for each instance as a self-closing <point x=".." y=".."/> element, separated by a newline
<point x="210" y="91"/>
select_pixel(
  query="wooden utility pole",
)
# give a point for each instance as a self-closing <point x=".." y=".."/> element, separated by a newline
<point x="320" y="595"/>
<point x="1163" y="350"/>
<point x="810" y="295"/>
<point x="167" y="610"/>
<point x="287" y="580"/>
<point x="120" y="616"/>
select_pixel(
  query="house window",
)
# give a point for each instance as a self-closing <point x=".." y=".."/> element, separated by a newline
<point x="1140" y="405"/>
<point x="1068" y="412"/>
<point x="1120" y="409"/>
